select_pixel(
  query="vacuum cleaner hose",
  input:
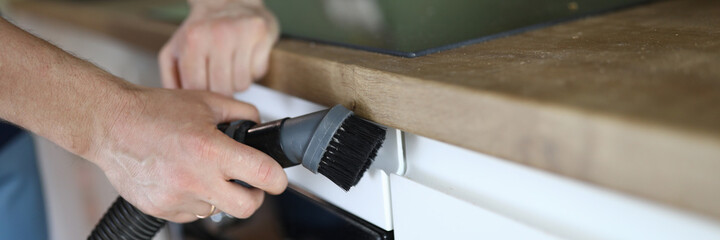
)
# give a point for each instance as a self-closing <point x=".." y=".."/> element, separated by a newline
<point x="124" y="221"/>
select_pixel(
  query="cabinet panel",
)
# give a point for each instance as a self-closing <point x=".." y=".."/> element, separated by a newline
<point x="420" y="212"/>
<point x="560" y="206"/>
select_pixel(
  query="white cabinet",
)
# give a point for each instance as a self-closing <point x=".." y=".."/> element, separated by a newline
<point x="420" y="212"/>
<point x="473" y="187"/>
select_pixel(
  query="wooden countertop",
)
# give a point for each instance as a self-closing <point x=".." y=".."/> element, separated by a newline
<point x="628" y="100"/>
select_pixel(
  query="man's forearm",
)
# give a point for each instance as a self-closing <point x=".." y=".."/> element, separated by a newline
<point x="54" y="94"/>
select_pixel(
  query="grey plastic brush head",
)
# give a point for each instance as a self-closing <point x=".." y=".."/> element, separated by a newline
<point x="334" y="143"/>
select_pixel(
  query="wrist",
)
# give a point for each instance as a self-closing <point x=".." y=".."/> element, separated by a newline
<point x="114" y="113"/>
<point x="82" y="119"/>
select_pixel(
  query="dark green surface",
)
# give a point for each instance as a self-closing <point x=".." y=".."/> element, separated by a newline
<point x="416" y="27"/>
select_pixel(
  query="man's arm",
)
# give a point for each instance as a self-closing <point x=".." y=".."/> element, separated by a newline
<point x="222" y="46"/>
<point x="159" y="148"/>
<point x="43" y="89"/>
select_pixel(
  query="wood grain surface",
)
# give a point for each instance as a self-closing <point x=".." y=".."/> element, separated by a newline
<point x="626" y="100"/>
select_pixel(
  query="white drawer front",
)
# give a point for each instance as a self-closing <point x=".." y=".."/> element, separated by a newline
<point x="420" y="212"/>
<point x="557" y="205"/>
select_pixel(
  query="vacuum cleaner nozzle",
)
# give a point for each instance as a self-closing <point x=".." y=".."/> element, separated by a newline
<point x="335" y="142"/>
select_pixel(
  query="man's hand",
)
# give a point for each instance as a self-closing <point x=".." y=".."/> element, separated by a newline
<point x="222" y="46"/>
<point x="164" y="155"/>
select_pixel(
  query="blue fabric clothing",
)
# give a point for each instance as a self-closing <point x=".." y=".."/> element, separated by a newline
<point x="7" y="133"/>
<point x="22" y="210"/>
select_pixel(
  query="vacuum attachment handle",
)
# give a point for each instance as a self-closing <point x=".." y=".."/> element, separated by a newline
<point x="264" y="137"/>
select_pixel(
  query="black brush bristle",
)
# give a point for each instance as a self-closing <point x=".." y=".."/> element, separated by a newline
<point x="351" y="151"/>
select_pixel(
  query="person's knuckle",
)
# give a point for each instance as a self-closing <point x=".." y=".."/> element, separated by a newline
<point x="194" y="34"/>
<point x="184" y="180"/>
<point x="256" y="24"/>
<point x="221" y="29"/>
<point x="200" y="145"/>
<point x="264" y="173"/>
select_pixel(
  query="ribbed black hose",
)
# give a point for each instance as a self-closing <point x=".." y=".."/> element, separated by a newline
<point x="124" y="221"/>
